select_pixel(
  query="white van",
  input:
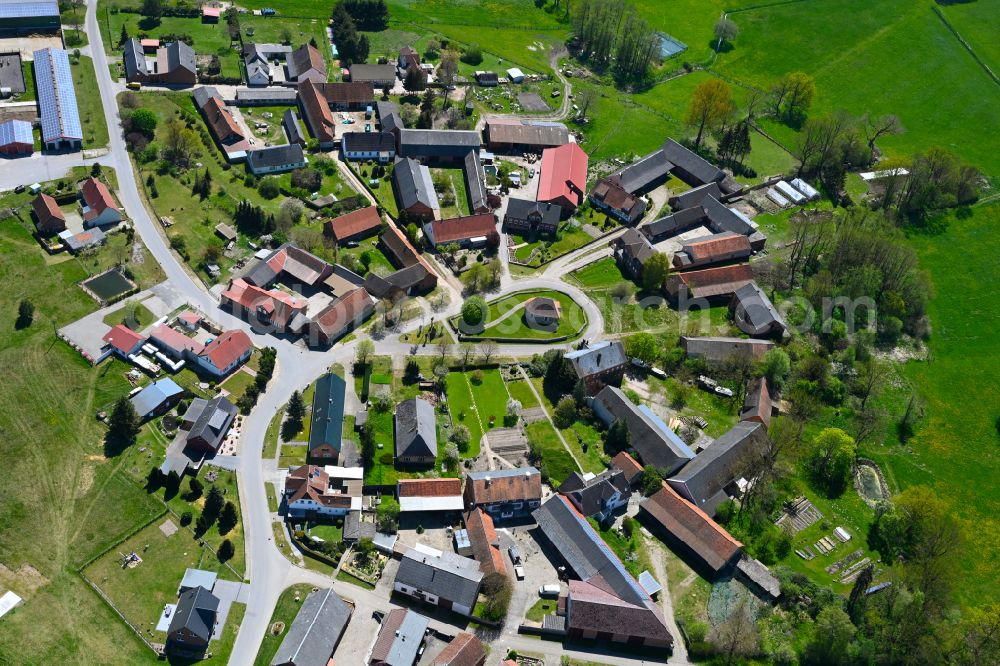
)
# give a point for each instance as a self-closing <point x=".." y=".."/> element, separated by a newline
<point x="550" y="590"/>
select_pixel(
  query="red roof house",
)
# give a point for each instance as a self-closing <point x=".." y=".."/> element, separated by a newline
<point x="271" y="306"/>
<point x="50" y="220"/>
<point x="99" y="206"/>
<point x="563" y="179"/>
<point x="223" y="354"/>
<point x="317" y="113"/>
<point x="709" y="282"/>
<point x="469" y="230"/>
<point x="122" y="340"/>
<point x="355" y="225"/>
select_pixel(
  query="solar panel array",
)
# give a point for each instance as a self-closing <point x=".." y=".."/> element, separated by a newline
<point x="15" y="131"/>
<point x="56" y="96"/>
<point x="19" y="9"/>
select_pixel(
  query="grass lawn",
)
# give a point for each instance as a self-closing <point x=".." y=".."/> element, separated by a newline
<point x="976" y="22"/>
<point x="509" y="322"/>
<point x="451" y="181"/>
<point x="284" y="613"/>
<point x="520" y="390"/>
<point x="88" y="99"/>
<point x="236" y="384"/>
<point x="587" y="443"/>
<point x="86" y="503"/>
<point x="569" y="237"/>
<point x="846" y="47"/>
<point x="328" y="532"/>
<point x="630" y="550"/>
<point x="602" y="273"/>
<point x="141" y="592"/>
<point x="638" y="312"/>
<point x="293" y="455"/>
<point x="491" y="400"/>
<point x="460" y="405"/>
<point x="540" y="609"/>
<point x="382" y="471"/>
<point x="28" y="72"/>
<point x="379" y="263"/>
<point x="556" y="463"/>
<point x="118" y="249"/>
<point x="348" y="578"/>
<point x="136" y="318"/>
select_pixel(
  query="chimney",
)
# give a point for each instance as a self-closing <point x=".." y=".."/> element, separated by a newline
<point x="598" y="359"/>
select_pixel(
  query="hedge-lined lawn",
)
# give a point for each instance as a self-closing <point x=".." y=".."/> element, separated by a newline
<point x="237" y="384"/>
<point x="460" y="406"/>
<point x="556" y="463"/>
<point x="509" y="316"/>
<point x="520" y="390"/>
<point x="382" y="470"/>
<point x="284" y="612"/>
<point x="569" y="237"/>
<point x="603" y="273"/>
<point x="490" y="396"/>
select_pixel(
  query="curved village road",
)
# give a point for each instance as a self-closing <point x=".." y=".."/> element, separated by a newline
<point x="268" y="570"/>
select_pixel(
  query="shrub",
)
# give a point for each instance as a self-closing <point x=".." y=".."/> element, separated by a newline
<point x="474" y="311"/>
<point x="269" y="188"/>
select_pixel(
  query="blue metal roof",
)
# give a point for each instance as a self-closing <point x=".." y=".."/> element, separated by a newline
<point x="56" y="96"/>
<point x="15" y="131"/>
<point x="29" y="9"/>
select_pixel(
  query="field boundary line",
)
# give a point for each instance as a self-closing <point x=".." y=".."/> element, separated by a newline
<point x="965" y="44"/>
<point x="763" y="5"/>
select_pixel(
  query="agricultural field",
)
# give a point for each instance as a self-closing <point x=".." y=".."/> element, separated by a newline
<point x="88" y="504"/>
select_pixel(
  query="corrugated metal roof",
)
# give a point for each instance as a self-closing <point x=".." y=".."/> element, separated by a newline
<point x="56" y="96"/>
<point x="29" y="9"/>
<point x="15" y="131"/>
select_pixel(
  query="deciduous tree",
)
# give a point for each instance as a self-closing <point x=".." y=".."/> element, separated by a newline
<point x="711" y="105"/>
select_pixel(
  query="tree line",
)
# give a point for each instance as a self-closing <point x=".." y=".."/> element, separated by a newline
<point x="610" y="33"/>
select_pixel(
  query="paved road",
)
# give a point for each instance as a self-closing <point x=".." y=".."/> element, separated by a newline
<point x="268" y="571"/>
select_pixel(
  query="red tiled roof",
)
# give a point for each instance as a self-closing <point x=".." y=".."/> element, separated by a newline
<point x="464" y="650"/>
<point x="627" y="464"/>
<point x="317" y="111"/>
<point x="213" y="12"/>
<point x="463" y="228"/>
<point x="220" y="121"/>
<point x="151" y="43"/>
<point x="97" y="197"/>
<point x="225" y="349"/>
<point x="610" y="191"/>
<point x="190" y="317"/>
<point x="176" y="340"/>
<point x="485" y="544"/>
<point x="714" y="281"/>
<point x="347" y="92"/>
<point x="564" y="174"/>
<point x="354" y="223"/>
<point x="343" y="311"/>
<point x="403" y="250"/>
<point x="46" y="208"/>
<point x="507" y="488"/>
<point x="692" y="526"/>
<point x="429" y="487"/>
<point x="280" y="306"/>
<point x="717" y="245"/>
<point x="387" y="634"/>
<point x="122" y="338"/>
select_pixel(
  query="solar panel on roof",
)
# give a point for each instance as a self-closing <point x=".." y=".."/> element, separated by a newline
<point x="10" y="10"/>
<point x="56" y="96"/>
<point x="15" y="131"/>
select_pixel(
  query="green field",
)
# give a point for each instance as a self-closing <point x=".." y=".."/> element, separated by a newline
<point x="602" y="273"/>
<point x="556" y="464"/>
<point x="85" y="503"/>
<point x="284" y="612"/>
<point x="976" y="23"/>
<point x="88" y="98"/>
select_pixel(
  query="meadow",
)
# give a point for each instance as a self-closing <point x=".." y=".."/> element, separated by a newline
<point x="88" y="99"/>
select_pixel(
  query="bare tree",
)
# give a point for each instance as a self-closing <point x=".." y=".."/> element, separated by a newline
<point x="875" y="127"/>
<point x="487" y="349"/>
<point x="465" y="353"/>
<point x="810" y="235"/>
<point x="737" y="636"/>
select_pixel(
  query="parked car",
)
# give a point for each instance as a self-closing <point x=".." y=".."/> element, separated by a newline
<point x="550" y="590"/>
<point x="656" y="372"/>
<point x="515" y="554"/>
<point x="723" y="391"/>
<point x="519" y="572"/>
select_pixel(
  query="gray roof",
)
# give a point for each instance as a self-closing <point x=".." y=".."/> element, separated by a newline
<point x="290" y="121"/>
<point x="475" y="182"/>
<point x="718" y="349"/>
<point x="275" y="156"/>
<point x="755" y="314"/>
<point x="416" y="429"/>
<point x="671" y="225"/>
<point x="198" y="577"/>
<point x="723" y="219"/>
<point x="429" y="143"/>
<point x="204" y="93"/>
<point x="597" y="358"/>
<point x="695" y="166"/>
<point x="213" y="422"/>
<point x="196" y="612"/>
<point x="272" y="94"/>
<point x="56" y="96"/>
<point x="363" y="72"/>
<point x="388" y="116"/>
<point x="150" y="398"/>
<point x="404" y="279"/>
<point x="649" y="583"/>
<point x="448" y="576"/>
<point x="521" y="208"/>
<point x="709" y="212"/>
<point x="314" y="633"/>
<point x="181" y="56"/>
<point x="583" y="550"/>
<point x="702" y="481"/>
<point x="299" y="62"/>
<point x="695" y="195"/>
<point x="640" y="174"/>
<point x="401" y="647"/>
<point x="635" y="246"/>
<point x="134" y="59"/>
<point x="413" y="184"/>
<point x="649" y="436"/>
<point x="368" y="141"/>
<point x="589" y="495"/>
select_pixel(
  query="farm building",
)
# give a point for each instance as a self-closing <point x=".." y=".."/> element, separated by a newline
<point x="631" y="252"/>
<point x="609" y="196"/>
<point x="507" y="134"/>
<point x="327" y="418"/>
<point x="25" y="17"/>
<point x="379" y="76"/>
<point x="61" y="129"/>
<point x="563" y="178"/>
<point x="754" y="313"/>
<point x="305" y="64"/>
<point x="414" y="190"/>
<point x="468" y="231"/>
<point x="16" y="138"/>
<point x="380" y="146"/>
<point x="599" y="365"/>
<point x="720" y="350"/>
<point x="713" y="249"/>
<point x="708" y="283"/>
<point x="276" y="159"/>
<point x="355" y="225"/>
<point x="531" y="217"/>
